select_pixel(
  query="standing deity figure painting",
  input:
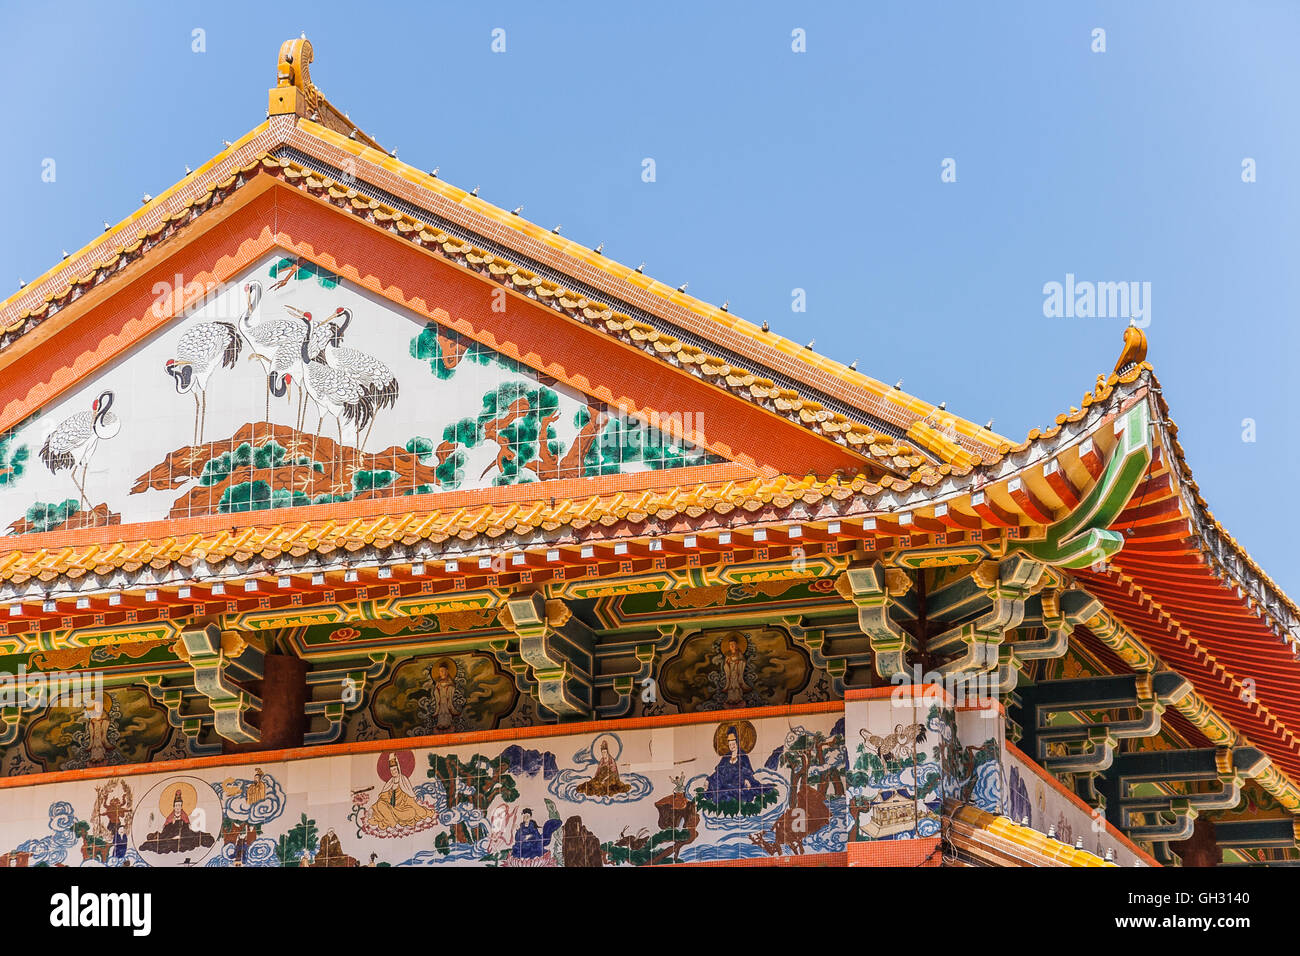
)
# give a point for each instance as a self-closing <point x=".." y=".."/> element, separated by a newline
<point x="733" y="672"/>
<point x="442" y="691"/>
<point x="98" y="724"/>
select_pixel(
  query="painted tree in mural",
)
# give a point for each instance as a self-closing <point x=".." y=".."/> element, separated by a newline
<point x="300" y="842"/>
<point x="299" y="268"/>
<point x="46" y="516"/>
<point x="474" y="783"/>
<point x="622" y="441"/>
<point x="520" y="417"/>
<point x="814" y="761"/>
<point x="13" y="460"/>
<point x="279" y="468"/>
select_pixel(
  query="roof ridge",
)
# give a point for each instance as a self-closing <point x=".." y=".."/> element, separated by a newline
<point x="718" y="316"/>
<point x="296" y="100"/>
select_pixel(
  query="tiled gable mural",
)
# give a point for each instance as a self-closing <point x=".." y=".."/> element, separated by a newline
<point x="291" y="387"/>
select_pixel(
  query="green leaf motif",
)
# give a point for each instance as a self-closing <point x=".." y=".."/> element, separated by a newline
<point x="305" y="270"/>
<point x="13" y="461"/>
<point x="45" y="515"/>
<point x="258" y="496"/>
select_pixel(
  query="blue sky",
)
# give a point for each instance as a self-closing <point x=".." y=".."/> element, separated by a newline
<point x="779" y="170"/>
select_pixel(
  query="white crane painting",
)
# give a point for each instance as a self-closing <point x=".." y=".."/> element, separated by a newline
<point x="202" y="349"/>
<point x="420" y="402"/>
<point x="74" y="440"/>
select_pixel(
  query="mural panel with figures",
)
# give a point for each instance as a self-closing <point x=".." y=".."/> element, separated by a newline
<point x="444" y="694"/>
<point x="292" y="387"/>
<point x="910" y="756"/>
<point x="720" y="669"/>
<point x="736" y="789"/>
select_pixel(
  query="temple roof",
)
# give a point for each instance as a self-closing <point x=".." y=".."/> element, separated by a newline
<point x="333" y="160"/>
<point x="923" y="478"/>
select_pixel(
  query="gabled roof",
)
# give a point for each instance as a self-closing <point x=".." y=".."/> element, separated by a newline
<point x="1180" y="582"/>
<point x="311" y="145"/>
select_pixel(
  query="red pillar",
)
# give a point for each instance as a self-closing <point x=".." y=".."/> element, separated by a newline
<point x="1201" y="849"/>
<point x="282" y="721"/>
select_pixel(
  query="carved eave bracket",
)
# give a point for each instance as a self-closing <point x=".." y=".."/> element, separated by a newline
<point x="1161" y="818"/>
<point x="1004" y="586"/>
<point x="558" y="651"/>
<point x="222" y="661"/>
<point x="873" y="589"/>
<point x="1058" y="612"/>
<point x="1089" y="745"/>
<point x="334" y="693"/>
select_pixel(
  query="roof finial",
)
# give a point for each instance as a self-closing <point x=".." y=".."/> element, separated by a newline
<point x="294" y="61"/>
<point x="1135" y="348"/>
